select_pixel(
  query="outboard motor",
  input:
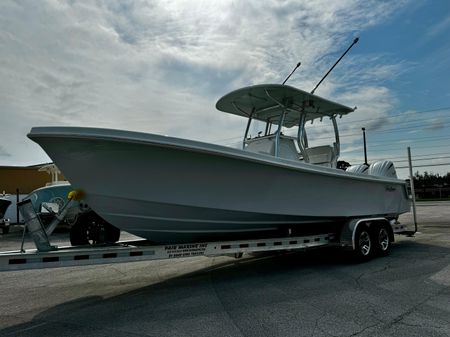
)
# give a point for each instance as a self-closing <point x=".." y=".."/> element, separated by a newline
<point x="382" y="168"/>
<point x="361" y="169"/>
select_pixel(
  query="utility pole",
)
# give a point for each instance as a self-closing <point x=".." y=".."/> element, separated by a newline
<point x="413" y="192"/>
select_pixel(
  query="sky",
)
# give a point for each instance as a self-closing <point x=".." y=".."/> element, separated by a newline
<point x="160" y="66"/>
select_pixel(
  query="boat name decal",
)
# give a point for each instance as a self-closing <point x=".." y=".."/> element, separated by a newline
<point x="185" y="250"/>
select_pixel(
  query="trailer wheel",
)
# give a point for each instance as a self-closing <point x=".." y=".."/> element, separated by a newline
<point x="382" y="241"/>
<point x="364" y="246"/>
<point x="91" y="229"/>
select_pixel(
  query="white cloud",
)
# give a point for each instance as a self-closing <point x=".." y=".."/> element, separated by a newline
<point x="159" y="67"/>
<point x="438" y="28"/>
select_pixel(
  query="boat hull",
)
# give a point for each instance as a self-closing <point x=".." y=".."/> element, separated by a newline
<point x="4" y="204"/>
<point x="173" y="190"/>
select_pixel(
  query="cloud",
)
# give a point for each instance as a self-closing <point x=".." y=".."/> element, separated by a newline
<point x="435" y="124"/>
<point x="438" y="28"/>
<point x="373" y="104"/>
<point x="159" y="67"/>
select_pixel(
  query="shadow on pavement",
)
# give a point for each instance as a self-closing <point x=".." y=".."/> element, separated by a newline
<point x="299" y="293"/>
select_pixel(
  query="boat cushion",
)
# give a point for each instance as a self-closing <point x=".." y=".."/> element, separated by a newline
<point x="321" y="155"/>
<point x="266" y="145"/>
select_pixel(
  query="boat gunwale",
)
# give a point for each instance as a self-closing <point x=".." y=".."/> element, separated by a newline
<point x="198" y="146"/>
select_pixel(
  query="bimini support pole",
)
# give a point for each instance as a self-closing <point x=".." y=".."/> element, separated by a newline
<point x="302" y="139"/>
<point x="250" y="117"/>
<point x="337" y="146"/>
<point x="277" y="138"/>
<point x="246" y="131"/>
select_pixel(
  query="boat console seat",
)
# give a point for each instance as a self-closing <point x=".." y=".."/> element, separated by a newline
<point x="321" y="155"/>
<point x="266" y="145"/>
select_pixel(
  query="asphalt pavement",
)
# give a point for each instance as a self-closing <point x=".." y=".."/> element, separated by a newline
<point x="315" y="293"/>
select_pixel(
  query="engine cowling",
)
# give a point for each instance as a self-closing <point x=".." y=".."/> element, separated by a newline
<point x="382" y="168"/>
<point x="361" y="169"/>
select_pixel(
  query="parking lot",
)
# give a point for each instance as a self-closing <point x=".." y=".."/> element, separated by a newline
<point x="314" y="293"/>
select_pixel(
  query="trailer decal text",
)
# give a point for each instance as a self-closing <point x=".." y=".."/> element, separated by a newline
<point x="185" y="250"/>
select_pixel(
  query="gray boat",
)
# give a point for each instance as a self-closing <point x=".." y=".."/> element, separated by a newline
<point x="171" y="190"/>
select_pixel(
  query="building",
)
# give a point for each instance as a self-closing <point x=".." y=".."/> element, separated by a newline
<point x="26" y="179"/>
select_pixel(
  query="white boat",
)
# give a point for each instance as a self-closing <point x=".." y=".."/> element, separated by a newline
<point x="175" y="190"/>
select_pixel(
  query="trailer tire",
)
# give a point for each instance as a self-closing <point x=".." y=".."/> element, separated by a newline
<point x="382" y="241"/>
<point x="364" y="245"/>
<point x="91" y="229"/>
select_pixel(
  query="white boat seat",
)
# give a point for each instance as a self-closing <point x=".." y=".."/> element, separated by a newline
<point x="266" y="145"/>
<point x="287" y="149"/>
<point x="261" y="145"/>
<point x="321" y="155"/>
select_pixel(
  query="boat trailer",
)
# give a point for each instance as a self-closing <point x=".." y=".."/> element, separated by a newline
<point x="365" y="236"/>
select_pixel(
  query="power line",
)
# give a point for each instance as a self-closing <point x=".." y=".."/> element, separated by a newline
<point x="372" y="119"/>
<point x="412" y="120"/>
<point x="393" y="149"/>
<point x="387" y="117"/>
<point x="403" y="114"/>
<point x="380" y="131"/>
<point x="401" y="142"/>
<point x="405" y="143"/>
<point x="428" y="139"/>
<point x="405" y="128"/>
<point x="414" y="166"/>
<point x="383" y="128"/>
<point x="415" y="156"/>
<point x="409" y="123"/>
<point x="421" y="159"/>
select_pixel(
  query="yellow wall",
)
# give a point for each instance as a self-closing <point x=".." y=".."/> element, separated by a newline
<point x="26" y="179"/>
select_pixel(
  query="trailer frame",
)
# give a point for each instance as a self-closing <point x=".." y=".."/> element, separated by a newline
<point x="143" y="250"/>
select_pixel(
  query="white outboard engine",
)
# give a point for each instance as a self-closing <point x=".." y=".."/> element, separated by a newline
<point x="382" y="168"/>
<point x="361" y="169"/>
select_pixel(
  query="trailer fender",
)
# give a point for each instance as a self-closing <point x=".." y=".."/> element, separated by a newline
<point x="347" y="237"/>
